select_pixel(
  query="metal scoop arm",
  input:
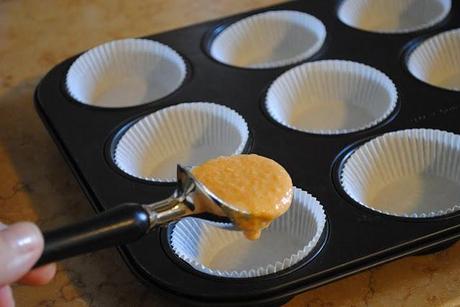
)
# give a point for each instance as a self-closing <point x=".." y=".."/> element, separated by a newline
<point x="122" y="224"/>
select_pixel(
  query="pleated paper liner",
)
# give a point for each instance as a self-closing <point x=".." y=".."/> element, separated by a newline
<point x="125" y="73"/>
<point x="187" y="133"/>
<point x="409" y="173"/>
<point x="270" y="39"/>
<point x="393" y="16"/>
<point x="437" y="61"/>
<point x="221" y="252"/>
<point x="331" y="97"/>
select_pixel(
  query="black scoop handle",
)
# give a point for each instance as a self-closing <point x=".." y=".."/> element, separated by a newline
<point x="120" y="225"/>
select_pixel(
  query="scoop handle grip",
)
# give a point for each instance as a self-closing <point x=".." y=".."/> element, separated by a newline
<point x="117" y="226"/>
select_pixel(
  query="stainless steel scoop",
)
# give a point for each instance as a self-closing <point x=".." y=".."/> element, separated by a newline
<point x="126" y="223"/>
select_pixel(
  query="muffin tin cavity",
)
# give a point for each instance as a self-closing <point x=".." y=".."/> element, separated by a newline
<point x="393" y="16"/>
<point x="125" y="73"/>
<point x="437" y="60"/>
<point x="187" y="134"/>
<point x="270" y="39"/>
<point x="289" y="239"/>
<point x="412" y="173"/>
<point x="331" y="97"/>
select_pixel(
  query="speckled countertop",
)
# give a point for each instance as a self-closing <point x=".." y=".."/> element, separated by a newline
<point x="37" y="185"/>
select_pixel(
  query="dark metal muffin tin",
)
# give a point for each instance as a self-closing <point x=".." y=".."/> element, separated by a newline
<point x="356" y="239"/>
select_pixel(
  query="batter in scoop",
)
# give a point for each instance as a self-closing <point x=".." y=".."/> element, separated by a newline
<point x="250" y="183"/>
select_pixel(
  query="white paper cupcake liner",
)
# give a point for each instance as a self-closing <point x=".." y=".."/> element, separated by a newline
<point x="393" y="16"/>
<point x="411" y="173"/>
<point x="437" y="60"/>
<point x="331" y="97"/>
<point x="125" y="73"/>
<point x="187" y="134"/>
<point x="270" y="39"/>
<point x="289" y="239"/>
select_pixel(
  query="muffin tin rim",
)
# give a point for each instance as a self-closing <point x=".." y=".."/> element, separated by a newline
<point x="383" y="120"/>
<point x="114" y="137"/>
<point x="439" y="22"/>
<point x="387" y="120"/>
<point x="70" y="61"/>
<point x="121" y="128"/>
<point x="311" y="256"/>
<point x="317" y="236"/>
<point x="412" y="45"/>
<point x="211" y="34"/>
<point x="337" y="171"/>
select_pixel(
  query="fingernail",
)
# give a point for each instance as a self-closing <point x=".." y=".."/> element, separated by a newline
<point x="23" y="237"/>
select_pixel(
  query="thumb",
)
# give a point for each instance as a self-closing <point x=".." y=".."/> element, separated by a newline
<point x="21" y="245"/>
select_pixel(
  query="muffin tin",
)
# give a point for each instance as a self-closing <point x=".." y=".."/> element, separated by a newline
<point x="92" y="135"/>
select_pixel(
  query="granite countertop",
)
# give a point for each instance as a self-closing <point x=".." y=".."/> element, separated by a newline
<point x="37" y="185"/>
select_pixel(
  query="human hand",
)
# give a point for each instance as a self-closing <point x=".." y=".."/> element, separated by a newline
<point x="21" y="245"/>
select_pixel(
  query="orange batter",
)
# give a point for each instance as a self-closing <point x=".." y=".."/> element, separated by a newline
<point x="250" y="183"/>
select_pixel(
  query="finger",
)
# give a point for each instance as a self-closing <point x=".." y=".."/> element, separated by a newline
<point x="6" y="297"/>
<point x="39" y="276"/>
<point x="21" y="245"/>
